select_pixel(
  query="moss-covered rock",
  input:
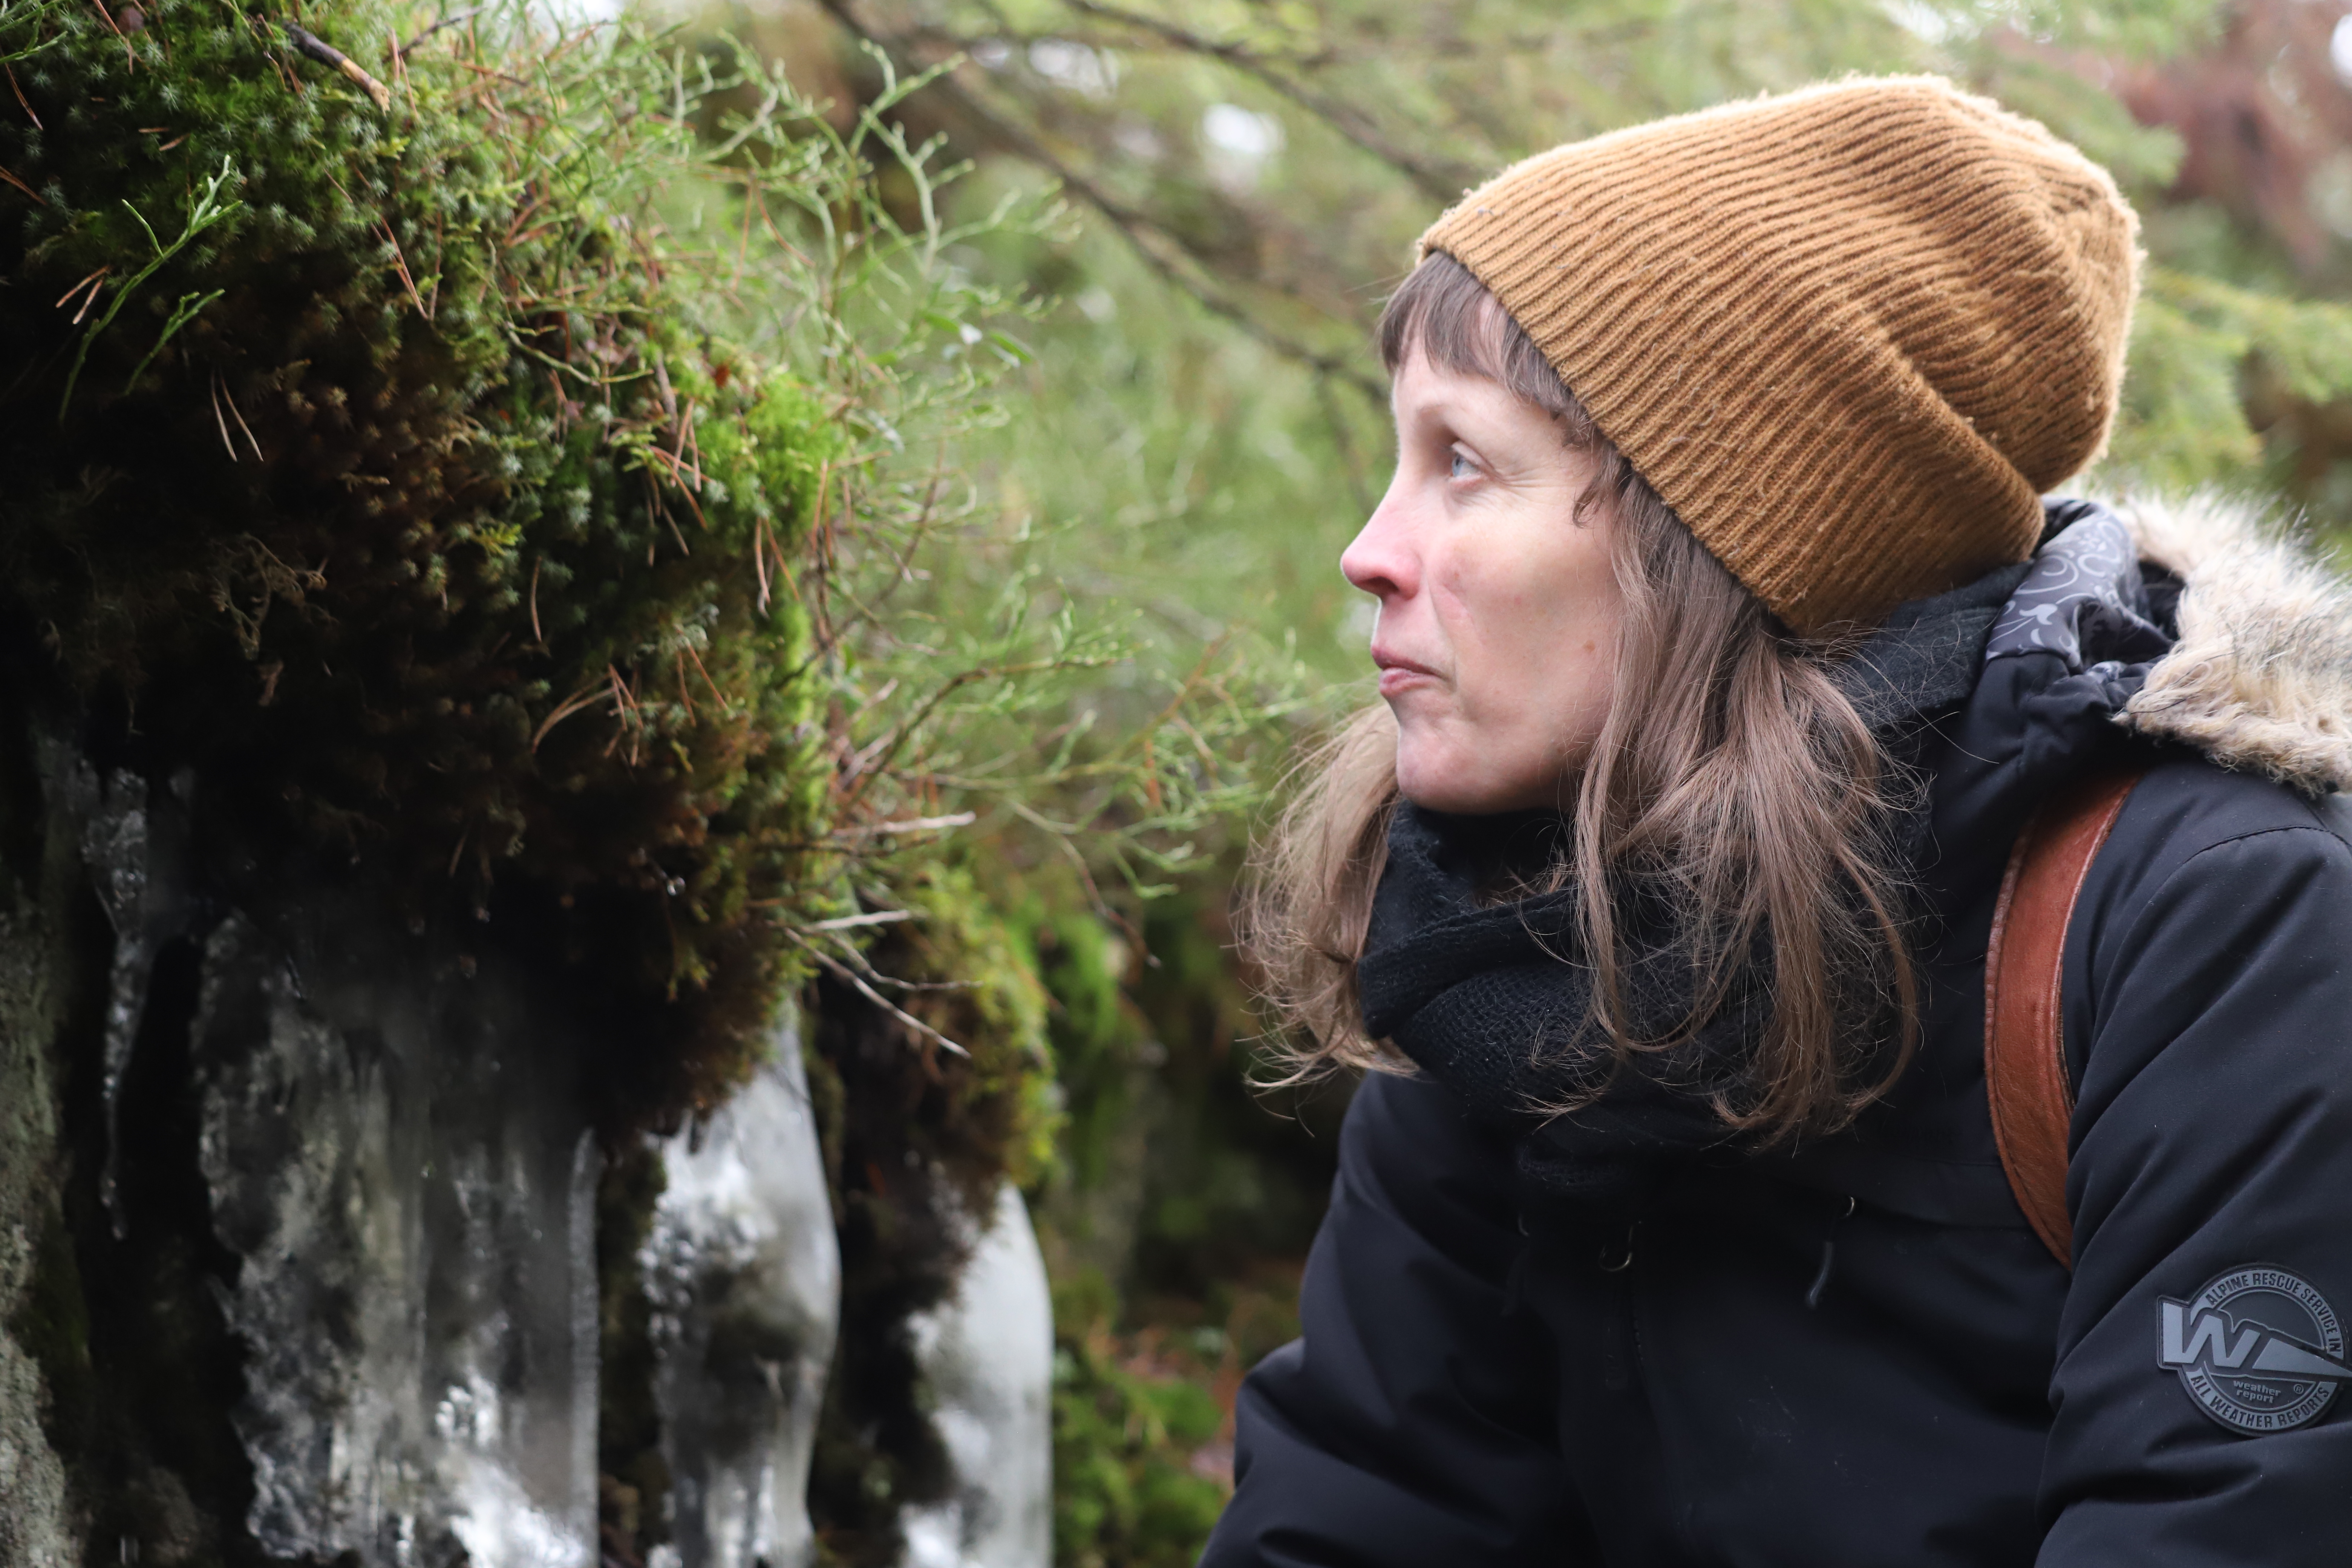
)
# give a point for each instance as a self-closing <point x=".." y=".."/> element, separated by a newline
<point x="383" y="466"/>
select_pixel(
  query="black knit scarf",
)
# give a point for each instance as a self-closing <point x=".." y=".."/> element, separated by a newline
<point x="1496" y="1001"/>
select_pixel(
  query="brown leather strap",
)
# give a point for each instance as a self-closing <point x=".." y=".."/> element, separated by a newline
<point x="2025" y="1039"/>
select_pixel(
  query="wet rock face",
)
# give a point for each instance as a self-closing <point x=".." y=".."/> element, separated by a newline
<point x="35" y="1523"/>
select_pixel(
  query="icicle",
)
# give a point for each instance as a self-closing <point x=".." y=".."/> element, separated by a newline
<point x="988" y="1358"/>
<point x="112" y="817"/>
<point x="744" y="1272"/>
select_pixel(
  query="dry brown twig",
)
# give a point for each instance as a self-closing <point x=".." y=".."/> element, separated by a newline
<point x="21" y="186"/>
<point x="399" y="51"/>
<point x="129" y="53"/>
<point x="237" y="414"/>
<point x="400" y="265"/>
<point x="19" y="91"/>
<point x="90" y="283"/>
<point x="316" y="47"/>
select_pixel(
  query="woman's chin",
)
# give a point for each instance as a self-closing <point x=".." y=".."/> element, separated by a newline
<point x="1461" y="791"/>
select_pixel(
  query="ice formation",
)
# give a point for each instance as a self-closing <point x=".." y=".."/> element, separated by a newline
<point x="744" y="1271"/>
<point x="395" y="1153"/>
<point x="136" y="862"/>
<point x="987" y="1356"/>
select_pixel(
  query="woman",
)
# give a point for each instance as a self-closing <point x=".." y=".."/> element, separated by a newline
<point x="1726" y="648"/>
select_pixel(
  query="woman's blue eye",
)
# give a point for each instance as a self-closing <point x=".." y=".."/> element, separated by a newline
<point x="1461" y="469"/>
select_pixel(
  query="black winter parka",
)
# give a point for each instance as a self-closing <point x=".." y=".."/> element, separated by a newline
<point x="1859" y="1352"/>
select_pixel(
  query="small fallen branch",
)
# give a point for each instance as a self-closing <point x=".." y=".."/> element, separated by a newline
<point x="401" y="52"/>
<point x="856" y="983"/>
<point x="326" y="54"/>
<point x="910" y="825"/>
<point x="850" y="923"/>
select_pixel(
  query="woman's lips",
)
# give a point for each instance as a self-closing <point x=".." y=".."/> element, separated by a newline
<point x="1401" y="674"/>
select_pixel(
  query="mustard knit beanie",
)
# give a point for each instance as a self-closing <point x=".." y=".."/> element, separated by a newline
<point x="1849" y="333"/>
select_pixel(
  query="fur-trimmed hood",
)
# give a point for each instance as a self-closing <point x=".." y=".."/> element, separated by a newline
<point x="2260" y="678"/>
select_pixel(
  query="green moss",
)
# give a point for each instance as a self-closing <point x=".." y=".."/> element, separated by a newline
<point x="1173" y="1225"/>
<point x="983" y="1109"/>
<point x="408" y="490"/>
<point x="1097" y="1036"/>
<point x="1134" y="1482"/>
<point x="1239" y="1176"/>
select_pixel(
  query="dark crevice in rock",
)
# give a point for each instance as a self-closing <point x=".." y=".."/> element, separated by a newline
<point x="23" y="827"/>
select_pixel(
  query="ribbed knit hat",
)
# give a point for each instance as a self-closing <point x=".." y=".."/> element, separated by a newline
<point x="1848" y="334"/>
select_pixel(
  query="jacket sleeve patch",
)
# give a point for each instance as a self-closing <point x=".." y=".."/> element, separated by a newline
<point x="2258" y="1348"/>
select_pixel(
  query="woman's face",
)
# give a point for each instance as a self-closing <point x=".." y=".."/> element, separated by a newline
<point x="1498" y="611"/>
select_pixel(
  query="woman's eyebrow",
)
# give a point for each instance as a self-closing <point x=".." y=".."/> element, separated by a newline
<point x="1442" y="410"/>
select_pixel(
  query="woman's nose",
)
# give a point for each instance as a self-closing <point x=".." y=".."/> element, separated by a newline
<point x="1381" y="560"/>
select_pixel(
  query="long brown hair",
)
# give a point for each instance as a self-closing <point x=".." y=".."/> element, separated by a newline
<point x="1731" y="775"/>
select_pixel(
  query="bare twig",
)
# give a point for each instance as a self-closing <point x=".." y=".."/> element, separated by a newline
<point x="897" y="738"/>
<point x="21" y="186"/>
<point x="856" y="961"/>
<point x="401" y="53"/>
<point x="77" y="288"/>
<point x="851" y="922"/>
<point x="400" y="265"/>
<point x="911" y="825"/>
<point x="1441" y="182"/>
<point x="856" y="983"/>
<point x="221" y="420"/>
<point x="597" y="689"/>
<point x="20" y="96"/>
<point x="129" y="53"/>
<point x="1132" y="225"/>
<point x="326" y="54"/>
<point x="235" y="412"/>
